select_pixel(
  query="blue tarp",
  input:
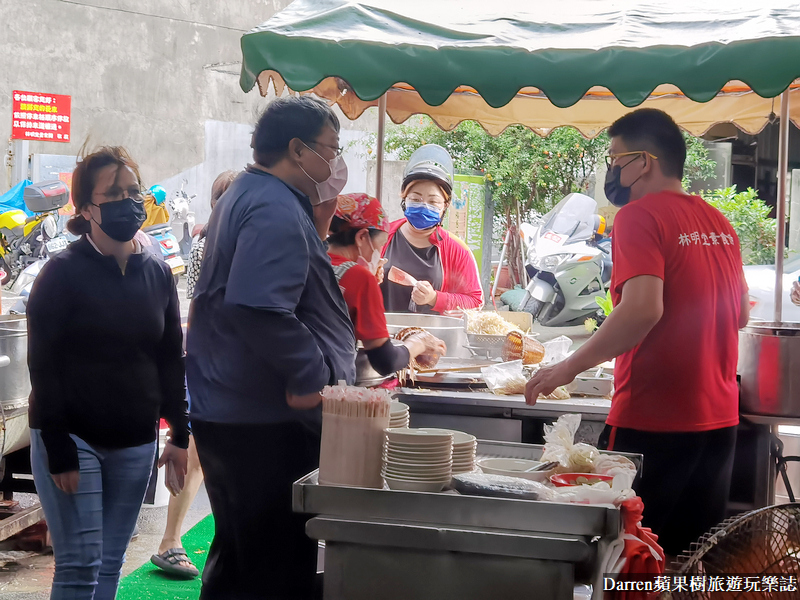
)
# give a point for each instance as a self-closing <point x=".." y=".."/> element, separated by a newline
<point x="12" y="199"/>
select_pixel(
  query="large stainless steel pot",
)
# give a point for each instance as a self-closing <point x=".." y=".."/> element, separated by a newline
<point x="448" y="329"/>
<point x="15" y="384"/>
<point x="769" y="366"/>
<point x="366" y="376"/>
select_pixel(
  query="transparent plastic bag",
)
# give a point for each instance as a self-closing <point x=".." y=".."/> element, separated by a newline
<point x="505" y="378"/>
<point x="616" y="466"/>
<point x="560" y="446"/>
<point x="483" y="484"/>
<point x="556" y="350"/>
<point x="599" y="493"/>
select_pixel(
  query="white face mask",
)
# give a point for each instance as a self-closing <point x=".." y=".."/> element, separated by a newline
<point x="374" y="262"/>
<point x="334" y="184"/>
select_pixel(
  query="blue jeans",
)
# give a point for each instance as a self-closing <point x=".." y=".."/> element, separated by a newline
<point x="91" y="528"/>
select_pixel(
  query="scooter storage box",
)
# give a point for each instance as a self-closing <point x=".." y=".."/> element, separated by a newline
<point x="46" y="196"/>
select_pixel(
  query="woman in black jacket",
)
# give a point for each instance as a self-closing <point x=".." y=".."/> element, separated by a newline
<point x="105" y="358"/>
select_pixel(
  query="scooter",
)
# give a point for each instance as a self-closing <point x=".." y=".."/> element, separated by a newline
<point x="183" y="219"/>
<point x="170" y="249"/>
<point x="569" y="263"/>
<point x="25" y="240"/>
<point x="24" y="282"/>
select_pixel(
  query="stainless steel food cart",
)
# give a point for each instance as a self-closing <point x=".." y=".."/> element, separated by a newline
<point x="398" y="545"/>
<point x="508" y="418"/>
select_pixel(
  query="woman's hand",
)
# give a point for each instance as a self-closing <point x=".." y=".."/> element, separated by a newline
<point x="434" y="345"/>
<point x="175" y="460"/>
<point x="423" y="294"/>
<point x="425" y="343"/>
<point x="380" y="273"/>
<point x="795" y="296"/>
<point x="67" y="482"/>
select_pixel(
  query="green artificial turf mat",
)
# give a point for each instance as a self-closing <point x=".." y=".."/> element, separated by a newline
<point x="148" y="581"/>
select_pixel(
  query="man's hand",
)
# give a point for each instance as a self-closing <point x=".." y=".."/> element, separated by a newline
<point x="547" y="379"/>
<point x="795" y="296"/>
<point x="423" y="294"/>
<point x="303" y="402"/>
<point x="67" y="482"/>
<point x="176" y="460"/>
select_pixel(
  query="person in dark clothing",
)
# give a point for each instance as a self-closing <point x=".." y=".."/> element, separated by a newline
<point x="268" y="329"/>
<point x="171" y="556"/>
<point x="106" y="361"/>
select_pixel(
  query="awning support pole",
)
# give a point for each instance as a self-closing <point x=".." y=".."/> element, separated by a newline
<point x="783" y="169"/>
<point x="500" y="264"/>
<point x="381" y="139"/>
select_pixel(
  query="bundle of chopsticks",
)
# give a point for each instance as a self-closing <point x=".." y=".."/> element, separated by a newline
<point x="349" y="401"/>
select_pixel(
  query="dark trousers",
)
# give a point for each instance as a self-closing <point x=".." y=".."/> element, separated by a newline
<point x="685" y="483"/>
<point x="260" y="549"/>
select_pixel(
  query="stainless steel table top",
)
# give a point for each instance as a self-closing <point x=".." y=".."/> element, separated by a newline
<point x="586" y="406"/>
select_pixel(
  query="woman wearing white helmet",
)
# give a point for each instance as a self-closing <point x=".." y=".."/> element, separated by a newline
<point x="442" y="264"/>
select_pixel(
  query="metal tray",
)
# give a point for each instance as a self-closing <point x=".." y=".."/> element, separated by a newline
<point x="450" y="509"/>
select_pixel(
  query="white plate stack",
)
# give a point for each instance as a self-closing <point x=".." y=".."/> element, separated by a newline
<point x="464" y="448"/>
<point x="418" y="460"/>
<point x="399" y="417"/>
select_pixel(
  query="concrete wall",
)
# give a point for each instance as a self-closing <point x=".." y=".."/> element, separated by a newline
<point x="392" y="183"/>
<point x="227" y="146"/>
<point x="146" y="74"/>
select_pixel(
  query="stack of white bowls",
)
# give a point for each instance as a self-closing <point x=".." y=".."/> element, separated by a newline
<point x="418" y="460"/>
<point x="399" y="415"/>
<point x="464" y="448"/>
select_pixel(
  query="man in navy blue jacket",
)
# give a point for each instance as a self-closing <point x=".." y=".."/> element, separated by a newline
<point x="268" y="330"/>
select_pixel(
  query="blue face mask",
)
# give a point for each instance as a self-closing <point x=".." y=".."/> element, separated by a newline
<point x="422" y="216"/>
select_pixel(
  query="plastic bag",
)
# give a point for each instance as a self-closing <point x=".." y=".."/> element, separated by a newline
<point x="505" y="378"/>
<point x="484" y="484"/>
<point x="616" y="466"/>
<point x="556" y="350"/>
<point x="560" y="447"/>
<point x="599" y="493"/>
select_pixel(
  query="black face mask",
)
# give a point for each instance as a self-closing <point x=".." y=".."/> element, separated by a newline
<point x="619" y="195"/>
<point x="121" y="219"/>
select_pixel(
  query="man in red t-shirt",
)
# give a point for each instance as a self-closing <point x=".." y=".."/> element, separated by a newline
<point x="679" y="301"/>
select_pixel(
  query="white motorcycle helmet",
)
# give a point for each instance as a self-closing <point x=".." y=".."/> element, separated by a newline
<point x="430" y="162"/>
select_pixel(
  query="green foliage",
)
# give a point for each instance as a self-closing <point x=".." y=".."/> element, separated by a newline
<point x="606" y="304"/>
<point x="749" y="217"/>
<point x="698" y="166"/>
<point x="527" y="172"/>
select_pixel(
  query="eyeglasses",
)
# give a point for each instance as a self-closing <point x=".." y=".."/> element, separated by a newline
<point x="337" y="149"/>
<point x="435" y="201"/>
<point x="115" y="194"/>
<point x="610" y="158"/>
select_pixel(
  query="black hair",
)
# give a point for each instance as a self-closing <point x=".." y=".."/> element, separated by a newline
<point x="346" y="236"/>
<point x="653" y="130"/>
<point x="288" y="118"/>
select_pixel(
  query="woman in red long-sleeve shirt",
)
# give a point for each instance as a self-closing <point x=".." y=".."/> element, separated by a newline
<point x="444" y="267"/>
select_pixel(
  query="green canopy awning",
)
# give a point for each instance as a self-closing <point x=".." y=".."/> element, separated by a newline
<point x="500" y="47"/>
